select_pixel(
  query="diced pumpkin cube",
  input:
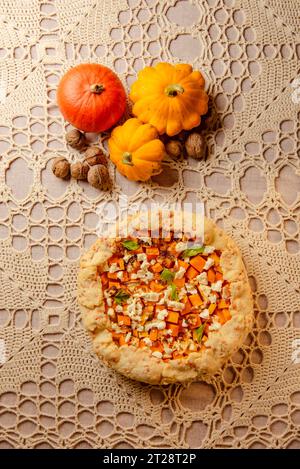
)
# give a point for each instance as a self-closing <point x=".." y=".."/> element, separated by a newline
<point x="156" y="287"/>
<point x="216" y="258"/>
<point x="179" y="282"/>
<point x="148" y="308"/>
<point x="152" y="253"/>
<point x="124" y="320"/>
<point x="187" y="307"/>
<point x="135" y="333"/>
<point x="157" y="267"/>
<point x="174" y="328"/>
<point x="198" y="262"/>
<point x="218" y="276"/>
<point x="157" y="347"/>
<point x="191" y="273"/>
<point x="226" y="314"/>
<point x="122" y="340"/>
<point x="112" y="276"/>
<point x="183" y="264"/>
<point x="113" y="283"/>
<point x="104" y="279"/>
<point x="193" y="321"/>
<point x="212" y="307"/>
<point x="211" y="275"/>
<point x="173" y="317"/>
<point x="153" y="335"/>
<point x="195" y="300"/>
<point x="121" y="264"/>
<point x="223" y="304"/>
<point x="113" y="260"/>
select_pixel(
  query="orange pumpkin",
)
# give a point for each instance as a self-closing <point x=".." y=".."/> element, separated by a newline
<point x="91" y="97"/>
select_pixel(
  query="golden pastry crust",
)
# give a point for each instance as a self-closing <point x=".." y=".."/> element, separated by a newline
<point x="139" y="363"/>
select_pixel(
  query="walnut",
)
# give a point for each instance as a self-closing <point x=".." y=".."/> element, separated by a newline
<point x="94" y="155"/>
<point x="76" y="139"/>
<point x="195" y="146"/>
<point x="61" y="167"/>
<point x="98" y="176"/>
<point x="79" y="170"/>
<point x="174" y="148"/>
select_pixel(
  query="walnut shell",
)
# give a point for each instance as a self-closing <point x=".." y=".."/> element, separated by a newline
<point x="174" y="148"/>
<point x="98" y="177"/>
<point x="195" y="146"/>
<point x="94" y="155"/>
<point x="79" y="170"/>
<point x="76" y="139"/>
<point x="61" y="167"/>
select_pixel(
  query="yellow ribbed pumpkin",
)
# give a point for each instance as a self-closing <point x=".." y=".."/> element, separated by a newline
<point x="170" y="97"/>
<point x="135" y="149"/>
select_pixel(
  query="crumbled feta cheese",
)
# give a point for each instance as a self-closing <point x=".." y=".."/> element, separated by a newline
<point x="217" y="286"/>
<point x="167" y="349"/>
<point x="153" y="261"/>
<point x="212" y="298"/>
<point x="168" y="332"/>
<point x="184" y="323"/>
<point x="119" y="309"/>
<point x="204" y="314"/>
<point x="141" y="257"/>
<point x="147" y="341"/>
<point x="120" y="274"/>
<point x="208" y="250"/>
<point x="140" y="328"/>
<point x="175" y="304"/>
<point x="157" y="354"/>
<point x="144" y="275"/>
<point x="191" y="288"/>
<point x="114" y="268"/>
<point x="146" y="239"/>
<point x="110" y="312"/>
<point x="127" y="337"/>
<point x="161" y="315"/>
<point x="205" y="290"/>
<point x="209" y="263"/>
<point x="109" y="301"/>
<point x="180" y="273"/>
<point x="127" y="257"/>
<point x="134" y="276"/>
<point x="152" y="296"/>
<point x="180" y="246"/>
<point x="192" y="346"/>
<point x="129" y="268"/>
<point x="215" y="326"/>
<point x="160" y="325"/>
<point x="226" y="292"/>
<point x="202" y="278"/>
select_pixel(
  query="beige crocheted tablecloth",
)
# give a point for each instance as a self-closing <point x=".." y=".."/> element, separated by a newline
<point x="53" y="390"/>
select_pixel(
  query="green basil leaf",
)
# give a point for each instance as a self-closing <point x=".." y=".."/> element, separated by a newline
<point x="174" y="292"/>
<point x="130" y="245"/>
<point x="167" y="275"/>
<point x="121" y="297"/>
<point x="199" y="332"/>
<point x="191" y="252"/>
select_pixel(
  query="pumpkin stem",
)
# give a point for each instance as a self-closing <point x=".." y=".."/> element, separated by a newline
<point x="97" y="88"/>
<point x="127" y="158"/>
<point x="174" y="90"/>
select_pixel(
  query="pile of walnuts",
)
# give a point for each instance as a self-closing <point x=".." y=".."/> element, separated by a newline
<point x="191" y="144"/>
<point x="93" y="167"/>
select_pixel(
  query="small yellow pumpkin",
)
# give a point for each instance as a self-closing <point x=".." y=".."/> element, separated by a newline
<point x="170" y="97"/>
<point x="136" y="150"/>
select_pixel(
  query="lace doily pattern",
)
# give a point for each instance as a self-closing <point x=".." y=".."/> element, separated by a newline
<point x="54" y="392"/>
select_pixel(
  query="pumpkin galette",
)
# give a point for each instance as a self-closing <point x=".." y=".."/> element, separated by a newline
<point x="163" y="310"/>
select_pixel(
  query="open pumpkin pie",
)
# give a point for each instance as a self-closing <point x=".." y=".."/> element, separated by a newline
<point x="163" y="310"/>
